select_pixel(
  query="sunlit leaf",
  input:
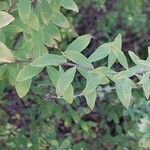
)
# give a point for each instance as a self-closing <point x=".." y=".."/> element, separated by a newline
<point x="60" y="20"/>
<point x="48" y="59"/>
<point x="68" y="94"/>
<point x="6" y="56"/>
<point x="145" y="81"/>
<point x="5" y="19"/>
<point x="65" y="81"/>
<point x="80" y="43"/>
<point x="78" y="58"/>
<point x="69" y="4"/>
<point x="28" y="72"/>
<point x="123" y="89"/>
<point x="91" y="98"/>
<point x="22" y="88"/>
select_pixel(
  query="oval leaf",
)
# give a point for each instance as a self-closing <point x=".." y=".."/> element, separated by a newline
<point x="22" y="88"/>
<point x="53" y="75"/>
<point x="5" y="19"/>
<point x="48" y="59"/>
<point x="123" y="89"/>
<point x="6" y="56"/>
<point x="60" y="20"/>
<point x="24" y="10"/>
<point x="78" y="58"/>
<point x="101" y="52"/>
<point x="91" y="98"/>
<point x="64" y="81"/>
<point x="80" y="43"/>
<point x="28" y="72"/>
<point x="68" y="95"/>
<point x="69" y="4"/>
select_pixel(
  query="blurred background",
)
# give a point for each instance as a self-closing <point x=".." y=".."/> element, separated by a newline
<point x="38" y="123"/>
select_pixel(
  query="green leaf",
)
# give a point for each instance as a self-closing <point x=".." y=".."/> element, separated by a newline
<point x="48" y="59"/>
<point x="55" y="5"/>
<point x="145" y="64"/>
<point x="78" y="58"/>
<point x="38" y="39"/>
<point x="145" y="81"/>
<point x="45" y="11"/>
<point x="134" y="57"/>
<point x="2" y="69"/>
<point x="68" y="94"/>
<point x="104" y="72"/>
<point x="2" y="36"/>
<point x="60" y="20"/>
<point x="123" y="89"/>
<point x="6" y="56"/>
<point x="53" y="31"/>
<point x="53" y="74"/>
<point x="28" y="72"/>
<point x="5" y="19"/>
<point x="24" y="10"/>
<point x="93" y="81"/>
<point x="91" y="98"/>
<point x="69" y="4"/>
<point x="129" y="72"/>
<point x="4" y="5"/>
<point x="121" y="58"/>
<point x="101" y="52"/>
<point x="80" y="43"/>
<point x="22" y="88"/>
<point x="83" y="72"/>
<point x="118" y="42"/>
<point x="111" y="59"/>
<point x="33" y="21"/>
<point x="64" y="81"/>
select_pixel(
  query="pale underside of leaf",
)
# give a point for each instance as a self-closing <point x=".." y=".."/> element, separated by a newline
<point x="5" y="19"/>
<point x="6" y="56"/>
